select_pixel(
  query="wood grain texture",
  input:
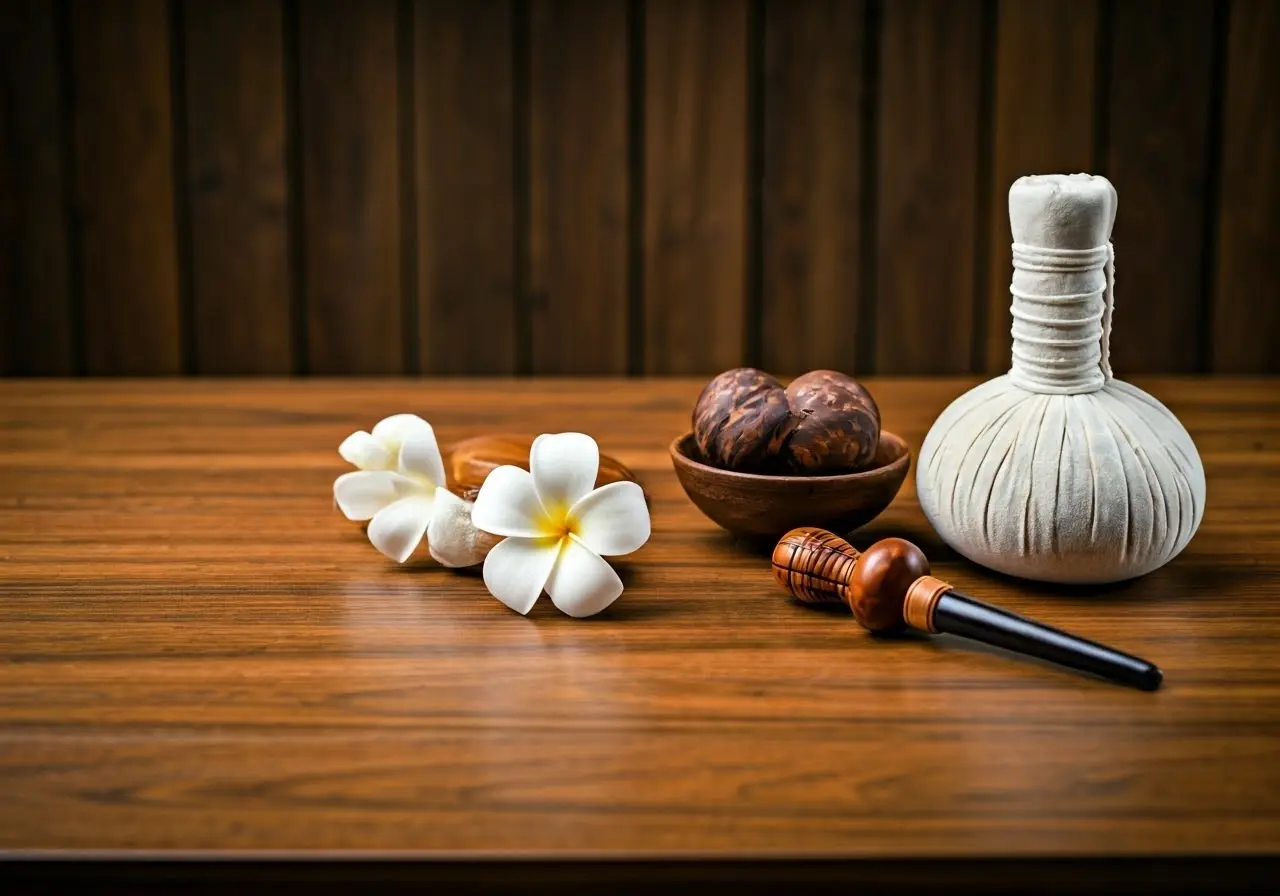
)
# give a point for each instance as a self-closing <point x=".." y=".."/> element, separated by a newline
<point x="36" y="330"/>
<point x="237" y="186"/>
<point x="1042" y="123"/>
<point x="578" y="186"/>
<point x="813" y="192"/>
<point x="201" y="654"/>
<point x="1158" y="158"/>
<point x="347" y="61"/>
<point x="695" y="169"/>
<point x="1246" y="315"/>
<point x="125" y="186"/>
<point x="464" y="149"/>
<point x="930" y="78"/>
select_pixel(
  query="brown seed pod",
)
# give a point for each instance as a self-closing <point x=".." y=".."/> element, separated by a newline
<point x="741" y="421"/>
<point x="471" y="460"/>
<point x="837" y="427"/>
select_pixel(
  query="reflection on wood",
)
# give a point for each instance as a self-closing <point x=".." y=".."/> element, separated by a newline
<point x="200" y="653"/>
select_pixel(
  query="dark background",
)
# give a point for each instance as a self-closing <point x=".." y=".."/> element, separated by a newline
<point x="604" y="186"/>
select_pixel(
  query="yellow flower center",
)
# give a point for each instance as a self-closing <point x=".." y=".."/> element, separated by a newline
<point x="558" y="523"/>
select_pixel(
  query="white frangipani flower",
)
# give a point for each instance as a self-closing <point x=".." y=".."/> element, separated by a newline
<point x="380" y="449"/>
<point x="557" y="527"/>
<point x="399" y="485"/>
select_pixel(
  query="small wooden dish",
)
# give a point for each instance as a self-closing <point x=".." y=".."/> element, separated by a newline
<point x="755" y="506"/>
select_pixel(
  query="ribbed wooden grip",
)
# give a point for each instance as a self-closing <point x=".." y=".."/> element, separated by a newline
<point x="814" y="565"/>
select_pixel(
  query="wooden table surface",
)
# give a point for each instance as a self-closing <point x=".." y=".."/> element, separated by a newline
<point x="199" y="654"/>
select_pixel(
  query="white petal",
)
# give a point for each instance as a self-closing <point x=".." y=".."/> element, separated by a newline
<point x="396" y="530"/>
<point x="613" y="519"/>
<point x="363" y="493"/>
<point x="452" y="539"/>
<point x="420" y="455"/>
<point x="364" y="451"/>
<point x="564" y="469"/>
<point x="508" y="505"/>
<point x="399" y="427"/>
<point x="517" y="568"/>
<point x="582" y="583"/>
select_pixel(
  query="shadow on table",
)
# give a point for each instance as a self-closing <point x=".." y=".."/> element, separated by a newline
<point x="632" y="605"/>
<point x="1186" y="577"/>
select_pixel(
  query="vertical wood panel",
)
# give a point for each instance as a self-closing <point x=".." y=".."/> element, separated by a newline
<point x="812" y="184"/>
<point x="578" y="184"/>
<point x="1246" y="320"/>
<point x="237" y="186"/>
<point x="463" y="200"/>
<point x="350" y="183"/>
<point x="35" y="285"/>
<point x="1042" y="123"/>
<point x="465" y="181"/>
<point x="125" y="186"/>
<point x="928" y="163"/>
<point x="695" y="185"/>
<point x="1157" y="157"/>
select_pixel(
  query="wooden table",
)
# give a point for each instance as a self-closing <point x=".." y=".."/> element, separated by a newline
<point x="200" y="657"/>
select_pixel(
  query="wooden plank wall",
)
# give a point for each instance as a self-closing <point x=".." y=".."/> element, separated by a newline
<point x="618" y="186"/>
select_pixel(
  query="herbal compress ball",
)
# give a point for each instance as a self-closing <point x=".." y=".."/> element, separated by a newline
<point x="1057" y="471"/>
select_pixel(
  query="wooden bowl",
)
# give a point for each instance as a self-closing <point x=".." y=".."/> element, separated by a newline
<point x="755" y="506"/>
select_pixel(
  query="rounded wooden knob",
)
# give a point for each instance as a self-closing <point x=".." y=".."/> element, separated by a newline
<point x="817" y="566"/>
<point x="880" y="581"/>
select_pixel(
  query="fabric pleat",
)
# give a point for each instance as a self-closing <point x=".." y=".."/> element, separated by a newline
<point x="1097" y="487"/>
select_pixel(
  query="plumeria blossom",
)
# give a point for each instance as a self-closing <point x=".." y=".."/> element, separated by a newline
<point x="399" y="487"/>
<point x="380" y="449"/>
<point x="558" y="528"/>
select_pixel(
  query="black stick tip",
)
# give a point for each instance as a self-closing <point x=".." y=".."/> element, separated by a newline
<point x="1150" y="678"/>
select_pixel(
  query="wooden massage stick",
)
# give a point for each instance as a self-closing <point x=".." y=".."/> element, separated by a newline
<point x="888" y="586"/>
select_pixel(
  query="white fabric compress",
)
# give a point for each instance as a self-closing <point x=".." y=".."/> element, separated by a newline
<point x="1057" y="471"/>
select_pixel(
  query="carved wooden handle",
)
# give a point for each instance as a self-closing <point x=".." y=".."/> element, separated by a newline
<point x="817" y="566"/>
<point x="814" y="565"/>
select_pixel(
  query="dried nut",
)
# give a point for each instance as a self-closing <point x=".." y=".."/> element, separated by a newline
<point x="838" y="428"/>
<point x="825" y="422"/>
<point x="472" y="460"/>
<point x="741" y="421"/>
